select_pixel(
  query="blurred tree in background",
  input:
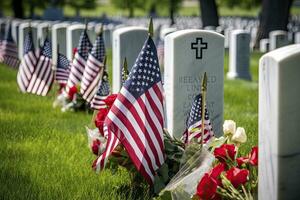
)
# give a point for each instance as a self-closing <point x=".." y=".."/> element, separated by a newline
<point x="209" y="13"/>
<point x="129" y="5"/>
<point x="81" y="4"/>
<point x="239" y="3"/>
<point x="274" y="15"/>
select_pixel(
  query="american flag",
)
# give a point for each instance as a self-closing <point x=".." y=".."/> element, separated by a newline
<point x="8" y="49"/>
<point x="194" y="123"/>
<point x="28" y="63"/>
<point x="101" y="94"/>
<point x="79" y="61"/>
<point x="43" y="75"/>
<point x="137" y="115"/>
<point x="62" y="69"/>
<point x="94" y="64"/>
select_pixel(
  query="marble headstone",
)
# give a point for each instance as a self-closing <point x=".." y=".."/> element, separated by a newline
<point x="239" y="55"/>
<point x="127" y="42"/>
<point x="264" y="45"/>
<point x="278" y="39"/>
<point x="279" y="127"/>
<point x="42" y="31"/>
<point x="166" y="31"/>
<point x="15" y="29"/>
<point x="73" y="34"/>
<point x="23" y="30"/>
<point x="297" y="38"/>
<point x="190" y="53"/>
<point x="210" y="28"/>
<point x="34" y="28"/>
<point x="59" y="37"/>
<point x="107" y="35"/>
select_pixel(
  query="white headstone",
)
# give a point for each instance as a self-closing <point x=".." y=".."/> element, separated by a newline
<point x="107" y="35"/>
<point x="15" y="29"/>
<point x="278" y="39"/>
<point x="127" y="42"/>
<point x="73" y="34"/>
<point x="166" y="31"/>
<point x="59" y="37"/>
<point x="34" y="28"/>
<point x="264" y="45"/>
<point x="23" y="30"/>
<point x="279" y="127"/>
<point x="42" y="31"/>
<point x="297" y="38"/>
<point x="189" y="54"/>
<point x="210" y="28"/>
<point x="239" y="55"/>
<point x="227" y="37"/>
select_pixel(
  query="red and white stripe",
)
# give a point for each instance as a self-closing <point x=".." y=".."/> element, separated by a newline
<point x="9" y="54"/>
<point x="77" y="70"/>
<point x="98" y="102"/>
<point x="26" y="70"/>
<point x="62" y="75"/>
<point x="90" y="78"/>
<point x="139" y="125"/>
<point x="195" y="131"/>
<point x="42" y="78"/>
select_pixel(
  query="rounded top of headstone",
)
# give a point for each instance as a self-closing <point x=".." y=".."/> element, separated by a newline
<point x="186" y="32"/>
<point x="76" y="26"/>
<point x="239" y="31"/>
<point x="278" y="32"/>
<point x="43" y="24"/>
<point x="283" y="53"/>
<point x="129" y="29"/>
<point x="60" y="25"/>
<point x="24" y="24"/>
<point x="166" y="31"/>
<point x="35" y="23"/>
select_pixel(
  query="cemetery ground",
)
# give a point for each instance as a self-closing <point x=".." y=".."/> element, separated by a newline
<point x="44" y="153"/>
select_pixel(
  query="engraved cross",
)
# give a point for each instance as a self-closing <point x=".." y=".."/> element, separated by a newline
<point x="199" y="46"/>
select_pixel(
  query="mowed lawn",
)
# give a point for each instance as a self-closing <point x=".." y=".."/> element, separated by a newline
<point x="44" y="153"/>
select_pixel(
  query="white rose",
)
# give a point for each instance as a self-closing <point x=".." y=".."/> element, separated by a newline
<point x="239" y="136"/>
<point x="229" y="127"/>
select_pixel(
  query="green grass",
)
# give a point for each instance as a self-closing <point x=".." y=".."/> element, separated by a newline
<point x="44" y="153"/>
<point x="110" y="10"/>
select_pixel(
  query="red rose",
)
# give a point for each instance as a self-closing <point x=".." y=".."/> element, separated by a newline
<point x="110" y="100"/>
<point x="74" y="51"/>
<point x="72" y="92"/>
<point x="99" y="121"/>
<point x="217" y="170"/>
<point x="253" y="158"/>
<point x="207" y="187"/>
<point x="96" y="146"/>
<point x="237" y="176"/>
<point x="242" y="160"/>
<point x="224" y="152"/>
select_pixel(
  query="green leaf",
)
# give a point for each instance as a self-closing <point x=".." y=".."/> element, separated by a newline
<point x="158" y="184"/>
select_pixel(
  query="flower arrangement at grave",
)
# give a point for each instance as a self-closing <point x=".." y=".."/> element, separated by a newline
<point x="197" y="166"/>
<point x="79" y="80"/>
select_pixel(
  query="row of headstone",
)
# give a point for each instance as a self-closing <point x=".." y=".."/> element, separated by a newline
<point x="189" y="54"/>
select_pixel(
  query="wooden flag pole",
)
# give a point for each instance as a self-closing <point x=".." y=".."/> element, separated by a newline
<point x="125" y="69"/>
<point x="203" y="104"/>
<point x="150" y="29"/>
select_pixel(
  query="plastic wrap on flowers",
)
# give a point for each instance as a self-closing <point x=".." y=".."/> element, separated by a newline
<point x="183" y="184"/>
